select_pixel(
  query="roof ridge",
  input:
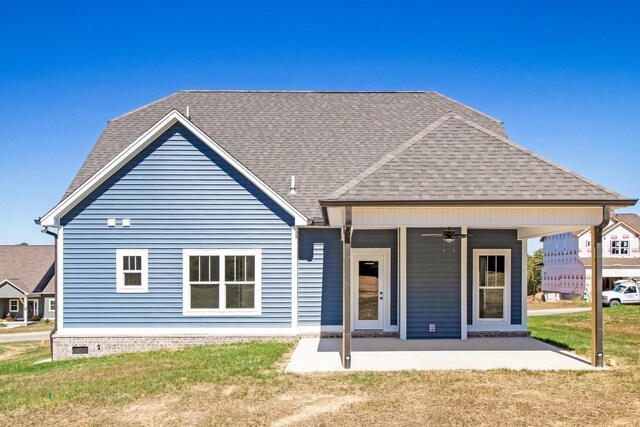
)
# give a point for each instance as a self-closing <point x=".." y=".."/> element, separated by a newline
<point x="143" y="107"/>
<point x="296" y="91"/>
<point x="537" y="156"/>
<point x="390" y="156"/>
<point x="469" y="108"/>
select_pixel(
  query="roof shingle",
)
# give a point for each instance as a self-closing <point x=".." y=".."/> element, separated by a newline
<point x="30" y="267"/>
<point x="343" y="145"/>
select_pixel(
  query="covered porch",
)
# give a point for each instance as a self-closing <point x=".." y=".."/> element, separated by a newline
<point x="450" y="289"/>
<point x="393" y="354"/>
<point x="15" y="302"/>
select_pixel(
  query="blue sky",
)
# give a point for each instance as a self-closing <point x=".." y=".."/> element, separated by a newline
<point x="563" y="76"/>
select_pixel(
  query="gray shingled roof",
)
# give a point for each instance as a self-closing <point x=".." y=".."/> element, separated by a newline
<point x="631" y="219"/>
<point x="358" y="145"/>
<point x="30" y="267"/>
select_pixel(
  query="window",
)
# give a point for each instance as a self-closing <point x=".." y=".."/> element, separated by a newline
<point x="492" y="283"/>
<point x="222" y="282"/>
<point x="14" y="305"/>
<point x="132" y="271"/>
<point x="619" y="247"/>
<point x="52" y="304"/>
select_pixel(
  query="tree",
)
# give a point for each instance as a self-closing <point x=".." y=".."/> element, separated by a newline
<point x="534" y="275"/>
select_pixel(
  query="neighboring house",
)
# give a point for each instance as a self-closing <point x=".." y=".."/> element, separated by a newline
<point x="567" y="258"/>
<point x="27" y="282"/>
<point x="212" y="216"/>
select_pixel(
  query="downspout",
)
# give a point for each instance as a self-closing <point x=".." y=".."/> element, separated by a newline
<point x="55" y="263"/>
<point x="597" y="352"/>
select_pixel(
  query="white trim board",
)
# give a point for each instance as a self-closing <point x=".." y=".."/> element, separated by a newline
<point x="10" y="283"/>
<point x="294" y="277"/>
<point x="222" y="310"/>
<point x="492" y="324"/>
<point x="52" y="218"/>
<point x="384" y="276"/>
<point x="186" y="331"/>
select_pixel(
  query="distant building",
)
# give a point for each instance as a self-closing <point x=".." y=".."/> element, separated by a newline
<point x="567" y="258"/>
<point x="27" y="282"/>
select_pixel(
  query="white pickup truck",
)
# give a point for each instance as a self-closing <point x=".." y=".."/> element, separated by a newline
<point x="623" y="293"/>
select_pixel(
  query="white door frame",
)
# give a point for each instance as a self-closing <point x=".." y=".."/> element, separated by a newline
<point x="383" y="256"/>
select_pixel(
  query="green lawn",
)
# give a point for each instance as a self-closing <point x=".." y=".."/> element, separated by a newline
<point x="573" y="331"/>
<point x="244" y="384"/>
<point x="41" y="326"/>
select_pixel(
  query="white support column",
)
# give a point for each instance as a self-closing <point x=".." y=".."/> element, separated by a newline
<point x="403" y="283"/>
<point x="60" y="280"/>
<point x="463" y="285"/>
<point x="525" y="277"/>
<point x="294" y="278"/>
<point x="25" y="310"/>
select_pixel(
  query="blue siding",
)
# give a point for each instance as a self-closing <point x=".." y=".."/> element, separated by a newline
<point x="319" y="277"/>
<point x="382" y="239"/>
<point x="433" y="286"/>
<point x="497" y="239"/>
<point x="179" y="194"/>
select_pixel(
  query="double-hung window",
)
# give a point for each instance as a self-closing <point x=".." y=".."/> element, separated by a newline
<point x="492" y="283"/>
<point x="132" y="268"/>
<point x="221" y="282"/>
<point x="619" y="247"/>
<point x="14" y="305"/>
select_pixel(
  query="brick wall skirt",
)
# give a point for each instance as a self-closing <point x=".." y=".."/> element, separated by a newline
<point x="88" y="346"/>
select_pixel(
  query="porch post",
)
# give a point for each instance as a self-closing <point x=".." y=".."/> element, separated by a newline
<point x="346" y="290"/>
<point x="597" y="352"/>
<point x="25" y="310"/>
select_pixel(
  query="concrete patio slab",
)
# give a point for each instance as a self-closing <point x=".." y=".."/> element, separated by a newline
<point x="393" y="354"/>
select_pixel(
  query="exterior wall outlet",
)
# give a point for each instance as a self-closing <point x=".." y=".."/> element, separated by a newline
<point x="432" y="327"/>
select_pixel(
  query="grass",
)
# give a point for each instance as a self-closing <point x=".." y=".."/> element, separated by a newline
<point x="41" y="326"/>
<point x="243" y="384"/>
<point x="621" y="327"/>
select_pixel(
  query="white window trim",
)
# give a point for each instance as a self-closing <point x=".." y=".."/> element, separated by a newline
<point x="186" y="289"/>
<point x="49" y="301"/>
<point x="120" y="287"/>
<point x="506" y="320"/>
<point x="17" y="302"/>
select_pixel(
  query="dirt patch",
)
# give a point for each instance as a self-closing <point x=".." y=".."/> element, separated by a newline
<point x="313" y="405"/>
<point x="12" y="353"/>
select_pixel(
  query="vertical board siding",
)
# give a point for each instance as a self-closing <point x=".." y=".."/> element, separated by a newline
<point x="319" y="277"/>
<point x="497" y="239"/>
<point x="433" y="285"/>
<point x="382" y="239"/>
<point x="178" y="194"/>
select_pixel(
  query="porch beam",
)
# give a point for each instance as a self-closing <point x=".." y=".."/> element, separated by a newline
<point x="597" y="350"/>
<point x="346" y="290"/>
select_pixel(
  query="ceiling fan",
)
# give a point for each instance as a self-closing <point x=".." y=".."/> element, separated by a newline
<point x="448" y="235"/>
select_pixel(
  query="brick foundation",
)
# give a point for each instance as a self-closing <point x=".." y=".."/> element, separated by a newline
<point x="106" y="345"/>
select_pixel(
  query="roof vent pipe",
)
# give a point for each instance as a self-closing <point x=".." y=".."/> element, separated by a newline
<point x="292" y="190"/>
<point x="188" y="113"/>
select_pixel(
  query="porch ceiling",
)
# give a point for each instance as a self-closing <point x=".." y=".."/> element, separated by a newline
<point x="530" y="221"/>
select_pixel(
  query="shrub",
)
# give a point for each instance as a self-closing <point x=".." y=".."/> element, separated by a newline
<point x="35" y="318"/>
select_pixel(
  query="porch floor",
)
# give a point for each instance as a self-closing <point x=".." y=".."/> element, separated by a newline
<point x="393" y="354"/>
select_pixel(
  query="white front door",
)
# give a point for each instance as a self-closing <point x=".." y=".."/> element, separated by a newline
<point x="370" y="280"/>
